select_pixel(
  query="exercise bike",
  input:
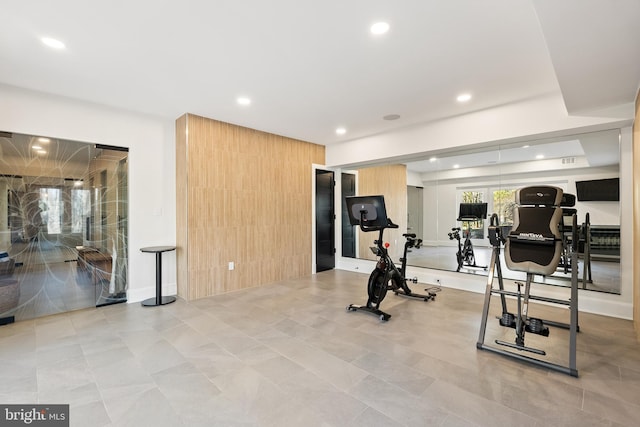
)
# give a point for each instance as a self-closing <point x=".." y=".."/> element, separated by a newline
<point x="386" y="276"/>
<point x="465" y="254"/>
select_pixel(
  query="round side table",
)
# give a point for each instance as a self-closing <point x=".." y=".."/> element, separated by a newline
<point x="159" y="299"/>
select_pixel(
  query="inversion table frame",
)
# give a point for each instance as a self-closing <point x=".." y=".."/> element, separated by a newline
<point x="494" y="267"/>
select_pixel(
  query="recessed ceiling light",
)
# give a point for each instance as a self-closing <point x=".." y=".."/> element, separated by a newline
<point x="341" y="131"/>
<point x="379" y="28"/>
<point x="456" y="166"/>
<point x="392" y="117"/>
<point x="433" y="159"/>
<point x="77" y="183"/>
<point x="463" y="97"/>
<point x="525" y="146"/>
<point x="53" y="43"/>
<point x="45" y="140"/>
<point x="243" y="100"/>
<point x="540" y="156"/>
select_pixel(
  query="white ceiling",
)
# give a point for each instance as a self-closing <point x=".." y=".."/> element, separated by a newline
<point x="595" y="148"/>
<point x="310" y="66"/>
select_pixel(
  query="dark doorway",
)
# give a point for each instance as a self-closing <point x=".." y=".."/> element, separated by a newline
<point x="348" y="182"/>
<point x="325" y="219"/>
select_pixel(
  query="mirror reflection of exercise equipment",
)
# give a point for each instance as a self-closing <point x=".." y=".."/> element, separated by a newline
<point x="369" y="212"/>
<point x="469" y="212"/>
<point x="505" y="169"/>
<point x="534" y="246"/>
<point x="582" y="246"/>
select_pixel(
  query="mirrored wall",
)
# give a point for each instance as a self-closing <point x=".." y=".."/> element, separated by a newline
<point x="63" y="225"/>
<point x="442" y="189"/>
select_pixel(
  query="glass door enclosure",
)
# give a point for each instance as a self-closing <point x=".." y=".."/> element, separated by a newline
<point x="63" y="225"/>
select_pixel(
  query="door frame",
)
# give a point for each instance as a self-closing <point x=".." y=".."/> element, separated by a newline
<point x="337" y="225"/>
<point x="336" y="221"/>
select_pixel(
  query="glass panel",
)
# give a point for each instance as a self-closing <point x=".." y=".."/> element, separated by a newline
<point x="61" y="246"/>
<point x="80" y="208"/>
<point x="50" y="209"/>
<point x="107" y="223"/>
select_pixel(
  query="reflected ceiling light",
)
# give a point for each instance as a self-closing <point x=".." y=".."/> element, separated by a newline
<point x="243" y="100"/>
<point x="341" y="131"/>
<point x="525" y="146"/>
<point x="45" y="140"/>
<point x="77" y="183"/>
<point x="379" y="28"/>
<point x="456" y="166"/>
<point x="463" y="97"/>
<point x="52" y="43"/>
<point x="36" y="147"/>
<point x="540" y="156"/>
<point x="41" y="152"/>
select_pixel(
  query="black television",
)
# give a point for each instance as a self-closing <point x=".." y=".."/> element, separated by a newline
<point x="370" y="209"/>
<point x="598" y="190"/>
<point x="472" y="211"/>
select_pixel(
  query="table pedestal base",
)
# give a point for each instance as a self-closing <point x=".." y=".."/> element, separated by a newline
<point x="152" y="302"/>
<point x="158" y="299"/>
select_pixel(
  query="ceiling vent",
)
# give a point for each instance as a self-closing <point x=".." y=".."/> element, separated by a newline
<point x="568" y="160"/>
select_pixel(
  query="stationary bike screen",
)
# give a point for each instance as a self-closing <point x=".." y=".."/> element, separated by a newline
<point x="371" y="209"/>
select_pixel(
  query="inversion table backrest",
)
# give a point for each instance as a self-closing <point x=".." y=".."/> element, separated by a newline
<point x="534" y="244"/>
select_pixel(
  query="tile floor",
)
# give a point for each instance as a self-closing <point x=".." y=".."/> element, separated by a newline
<point x="289" y="354"/>
<point x="51" y="283"/>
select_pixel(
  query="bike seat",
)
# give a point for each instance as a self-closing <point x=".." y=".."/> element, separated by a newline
<point x="409" y="235"/>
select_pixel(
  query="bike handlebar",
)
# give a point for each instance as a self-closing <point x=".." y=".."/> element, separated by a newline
<point x="364" y="227"/>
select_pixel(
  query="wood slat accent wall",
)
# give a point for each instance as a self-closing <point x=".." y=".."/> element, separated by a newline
<point x="391" y="182"/>
<point x="244" y="196"/>
<point x="636" y="217"/>
<point x="182" y="228"/>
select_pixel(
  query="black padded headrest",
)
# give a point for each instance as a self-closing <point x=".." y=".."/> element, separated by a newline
<point x="539" y="195"/>
<point x="568" y="200"/>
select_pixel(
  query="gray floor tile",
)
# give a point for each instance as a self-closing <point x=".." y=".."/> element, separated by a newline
<point x="289" y="354"/>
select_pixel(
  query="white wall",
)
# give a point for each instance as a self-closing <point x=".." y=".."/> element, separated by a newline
<point x="414" y="179"/>
<point x="151" y="143"/>
<point x="530" y="119"/>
